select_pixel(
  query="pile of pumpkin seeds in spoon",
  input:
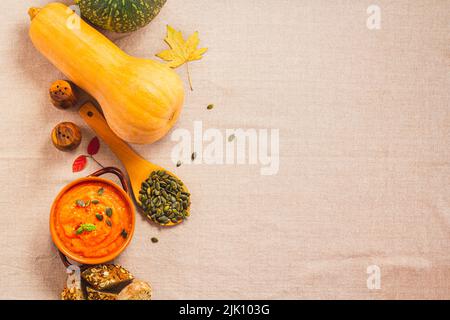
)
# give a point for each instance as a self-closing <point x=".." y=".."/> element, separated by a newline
<point x="163" y="198"/>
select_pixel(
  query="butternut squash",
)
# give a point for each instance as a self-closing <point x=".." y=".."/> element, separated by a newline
<point x="140" y="98"/>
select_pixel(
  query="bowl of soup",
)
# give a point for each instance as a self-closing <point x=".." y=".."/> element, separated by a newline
<point x="92" y="219"/>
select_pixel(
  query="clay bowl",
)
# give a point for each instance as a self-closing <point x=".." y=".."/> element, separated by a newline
<point x="123" y="193"/>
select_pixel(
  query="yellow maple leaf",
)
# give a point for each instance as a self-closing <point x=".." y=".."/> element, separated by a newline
<point x="181" y="51"/>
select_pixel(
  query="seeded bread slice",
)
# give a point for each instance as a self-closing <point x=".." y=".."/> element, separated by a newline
<point x="106" y="276"/>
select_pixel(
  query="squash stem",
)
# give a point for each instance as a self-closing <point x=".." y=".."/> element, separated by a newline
<point x="189" y="76"/>
<point x="32" y="12"/>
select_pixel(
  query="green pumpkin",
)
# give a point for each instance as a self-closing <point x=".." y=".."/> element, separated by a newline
<point x="120" y="15"/>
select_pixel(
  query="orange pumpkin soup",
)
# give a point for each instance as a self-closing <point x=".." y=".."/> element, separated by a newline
<point x="92" y="219"/>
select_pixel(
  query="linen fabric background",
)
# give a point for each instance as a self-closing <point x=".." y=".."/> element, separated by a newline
<point x="364" y="173"/>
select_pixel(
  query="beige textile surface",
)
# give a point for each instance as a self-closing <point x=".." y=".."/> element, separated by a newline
<point x="364" y="173"/>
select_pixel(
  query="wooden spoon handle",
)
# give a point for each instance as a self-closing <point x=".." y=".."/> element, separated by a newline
<point x="97" y="122"/>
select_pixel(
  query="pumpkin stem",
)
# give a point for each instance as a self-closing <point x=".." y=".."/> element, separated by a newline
<point x="32" y="12"/>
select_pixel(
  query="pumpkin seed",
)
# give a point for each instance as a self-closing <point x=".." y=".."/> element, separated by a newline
<point x="155" y="240"/>
<point x="231" y="138"/>
<point x="109" y="212"/>
<point x="163" y="219"/>
<point x="124" y="233"/>
<point x="109" y="223"/>
<point x="95" y="201"/>
<point x="179" y="164"/>
<point x="80" y="203"/>
<point x="163" y="198"/>
<point x="100" y="191"/>
<point x="99" y="217"/>
<point x="194" y="156"/>
<point x="210" y="107"/>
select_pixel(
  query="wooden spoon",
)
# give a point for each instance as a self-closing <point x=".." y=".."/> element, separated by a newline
<point x="137" y="167"/>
